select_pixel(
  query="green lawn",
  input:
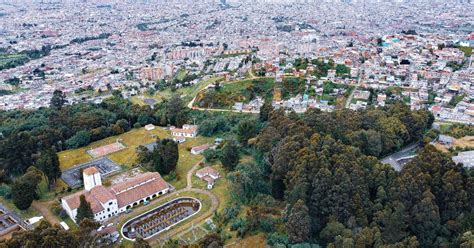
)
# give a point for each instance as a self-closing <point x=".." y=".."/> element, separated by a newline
<point x="128" y="157"/>
<point x="191" y="92"/>
<point x="467" y="51"/>
<point x="187" y="160"/>
<point x="181" y="74"/>
<point x="236" y="91"/>
<point x="220" y="189"/>
<point x="72" y="226"/>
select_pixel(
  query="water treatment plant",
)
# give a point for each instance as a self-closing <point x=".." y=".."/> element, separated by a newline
<point x="160" y="218"/>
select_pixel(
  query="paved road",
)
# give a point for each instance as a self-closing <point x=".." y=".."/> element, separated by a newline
<point x="394" y="158"/>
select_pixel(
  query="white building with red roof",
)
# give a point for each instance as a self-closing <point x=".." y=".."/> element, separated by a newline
<point x="199" y="149"/>
<point x="108" y="202"/>
<point x="208" y="174"/>
<point x="188" y="131"/>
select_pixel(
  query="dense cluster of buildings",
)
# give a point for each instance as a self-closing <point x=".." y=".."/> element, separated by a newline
<point x="125" y="46"/>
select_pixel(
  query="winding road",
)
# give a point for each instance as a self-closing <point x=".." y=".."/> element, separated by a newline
<point x="189" y="188"/>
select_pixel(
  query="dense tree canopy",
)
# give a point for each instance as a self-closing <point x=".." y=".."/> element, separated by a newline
<point x="27" y="133"/>
<point x="163" y="158"/>
<point x="46" y="235"/>
<point x="48" y="162"/>
<point x="25" y="188"/>
<point x="325" y="166"/>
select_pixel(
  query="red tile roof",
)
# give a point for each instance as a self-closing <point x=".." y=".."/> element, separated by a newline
<point x="125" y="193"/>
<point x="138" y="188"/>
<point x="96" y="197"/>
<point x="90" y="171"/>
<point x="207" y="171"/>
<point x="200" y="148"/>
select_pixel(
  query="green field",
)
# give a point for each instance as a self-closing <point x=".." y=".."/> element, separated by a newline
<point x="238" y="91"/>
<point x="181" y="74"/>
<point x="188" y="93"/>
<point x="128" y="157"/>
<point x="5" y="58"/>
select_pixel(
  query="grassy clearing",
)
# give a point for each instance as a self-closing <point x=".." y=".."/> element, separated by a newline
<point x="255" y="241"/>
<point x="236" y="91"/>
<point x="191" y="92"/>
<point x="466" y="50"/>
<point x="128" y="157"/>
<point x="188" y="93"/>
<point x="464" y="142"/>
<point x="140" y="100"/>
<point x="25" y="214"/>
<point x="70" y="223"/>
<point x="187" y="160"/>
<point x="220" y="189"/>
<point x="181" y="74"/>
<point x="131" y="139"/>
<point x="193" y="235"/>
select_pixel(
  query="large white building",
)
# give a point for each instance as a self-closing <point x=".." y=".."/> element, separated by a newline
<point x="107" y="202"/>
<point x="188" y="131"/>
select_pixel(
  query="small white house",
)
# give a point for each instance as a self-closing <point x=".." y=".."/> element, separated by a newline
<point x="199" y="149"/>
<point x="149" y="127"/>
<point x="179" y="139"/>
<point x="208" y="174"/>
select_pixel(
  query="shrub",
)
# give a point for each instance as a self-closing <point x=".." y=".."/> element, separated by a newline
<point x="5" y="191"/>
<point x="56" y="208"/>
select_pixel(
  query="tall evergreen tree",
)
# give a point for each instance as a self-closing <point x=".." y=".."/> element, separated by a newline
<point x="425" y="220"/>
<point x="393" y="223"/>
<point x="48" y="162"/>
<point x="246" y="130"/>
<point x="230" y="155"/>
<point x="265" y="111"/>
<point x="84" y="211"/>
<point x="58" y="100"/>
<point x="164" y="157"/>
<point x="24" y="189"/>
<point x="298" y="225"/>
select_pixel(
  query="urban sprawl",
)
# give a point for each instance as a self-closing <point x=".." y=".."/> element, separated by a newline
<point x="351" y="54"/>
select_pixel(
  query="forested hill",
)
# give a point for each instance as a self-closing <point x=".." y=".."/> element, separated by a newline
<point x="311" y="179"/>
<point x="337" y="193"/>
<point x="27" y="134"/>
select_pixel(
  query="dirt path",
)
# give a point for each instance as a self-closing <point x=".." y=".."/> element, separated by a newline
<point x="173" y="232"/>
<point x="189" y="175"/>
<point x="44" y="209"/>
